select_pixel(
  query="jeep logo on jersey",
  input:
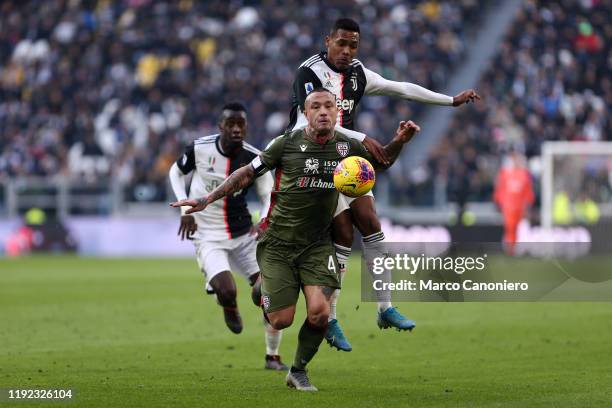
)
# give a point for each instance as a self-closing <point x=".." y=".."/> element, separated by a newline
<point x="342" y="148"/>
<point x="312" y="166"/>
<point x="345" y="104"/>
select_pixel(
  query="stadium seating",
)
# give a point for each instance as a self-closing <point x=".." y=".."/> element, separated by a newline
<point x="549" y="81"/>
<point x="99" y="90"/>
<point x="114" y="90"/>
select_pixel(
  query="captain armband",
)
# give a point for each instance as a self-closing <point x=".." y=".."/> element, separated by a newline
<point x="259" y="167"/>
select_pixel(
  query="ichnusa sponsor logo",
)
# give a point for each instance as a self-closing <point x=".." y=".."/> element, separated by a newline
<point x="319" y="183"/>
<point x="302" y="182"/>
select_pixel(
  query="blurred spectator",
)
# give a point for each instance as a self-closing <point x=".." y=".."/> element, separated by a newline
<point x="101" y="90"/>
<point x="550" y="81"/>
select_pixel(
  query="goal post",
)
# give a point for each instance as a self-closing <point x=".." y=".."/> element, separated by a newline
<point x="566" y="166"/>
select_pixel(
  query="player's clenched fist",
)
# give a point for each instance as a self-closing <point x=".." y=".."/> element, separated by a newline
<point x="196" y="205"/>
<point x="406" y="130"/>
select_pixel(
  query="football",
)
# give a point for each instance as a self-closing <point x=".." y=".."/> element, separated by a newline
<point x="354" y="176"/>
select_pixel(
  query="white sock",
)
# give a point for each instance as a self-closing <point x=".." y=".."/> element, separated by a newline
<point x="273" y="339"/>
<point x="334" y="298"/>
<point x="373" y="247"/>
<point x="342" y="253"/>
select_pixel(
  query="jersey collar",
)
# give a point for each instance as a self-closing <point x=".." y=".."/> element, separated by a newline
<point x="220" y="150"/>
<point x="323" y="56"/>
<point x="332" y="139"/>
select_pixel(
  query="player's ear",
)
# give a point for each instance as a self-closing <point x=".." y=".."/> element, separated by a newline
<point x="328" y="41"/>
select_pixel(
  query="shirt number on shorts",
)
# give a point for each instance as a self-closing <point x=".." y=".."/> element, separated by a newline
<point x="330" y="264"/>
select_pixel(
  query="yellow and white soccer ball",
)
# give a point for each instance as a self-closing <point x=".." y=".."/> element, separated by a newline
<point x="354" y="176"/>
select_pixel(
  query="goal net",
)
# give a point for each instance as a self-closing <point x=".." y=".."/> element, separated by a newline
<point x="576" y="183"/>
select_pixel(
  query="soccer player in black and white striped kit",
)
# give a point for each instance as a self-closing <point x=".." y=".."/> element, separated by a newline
<point x="337" y="70"/>
<point x="224" y="236"/>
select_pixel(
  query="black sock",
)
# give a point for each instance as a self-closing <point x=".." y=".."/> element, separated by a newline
<point x="309" y="339"/>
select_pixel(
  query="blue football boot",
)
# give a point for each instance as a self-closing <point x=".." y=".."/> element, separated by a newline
<point x="335" y="337"/>
<point x="392" y="318"/>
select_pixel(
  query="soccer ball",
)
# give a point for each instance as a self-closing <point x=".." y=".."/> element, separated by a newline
<point x="354" y="176"/>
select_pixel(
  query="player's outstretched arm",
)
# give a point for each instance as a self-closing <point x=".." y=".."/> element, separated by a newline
<point x="377" y="85"/>
<point x="236" y="181"/>
<point x="404" y="134"/>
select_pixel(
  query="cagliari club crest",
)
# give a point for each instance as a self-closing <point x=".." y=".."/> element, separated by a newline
<point x="342" y="148"/>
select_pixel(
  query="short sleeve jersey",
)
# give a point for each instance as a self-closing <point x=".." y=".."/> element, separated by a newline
<point x="304" y="197"/>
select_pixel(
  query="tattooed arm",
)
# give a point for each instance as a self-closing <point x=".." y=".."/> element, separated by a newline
<point x="236" y="181"/>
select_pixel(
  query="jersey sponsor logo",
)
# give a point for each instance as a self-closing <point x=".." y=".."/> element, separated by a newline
<point x="313" y="182"/>
<point x="342" y="148"/>
<point x="302" y="182"/>
<point x="312" y="166"/>
<point x="319" y="183"/>
<point x="345" y="104"/>
<point x="303" y="147"/>
<point x="309" y="87"/>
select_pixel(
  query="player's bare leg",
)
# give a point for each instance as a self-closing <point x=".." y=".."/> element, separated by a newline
<point x="366" y="221"/>
<point x="281" y="319"/>
<point x="273" y="336"/>
<point x="225" y="289"/>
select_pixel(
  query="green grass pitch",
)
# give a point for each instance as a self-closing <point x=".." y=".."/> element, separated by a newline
<point x="141" y="333"/>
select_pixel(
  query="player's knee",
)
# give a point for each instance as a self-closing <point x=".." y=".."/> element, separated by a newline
<point x="280" y="321"/>
<point x="318" y="316"/>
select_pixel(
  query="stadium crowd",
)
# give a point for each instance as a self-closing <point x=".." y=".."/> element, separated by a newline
<point x="549" y="81"/>
<point x="115" y="89"/>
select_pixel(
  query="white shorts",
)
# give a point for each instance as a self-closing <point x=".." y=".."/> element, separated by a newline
<point x="235" y="255"/>
<point x="344" y="202"/>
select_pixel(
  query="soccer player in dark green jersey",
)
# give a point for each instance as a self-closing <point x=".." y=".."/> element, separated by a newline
<point x="295" y="251"/>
